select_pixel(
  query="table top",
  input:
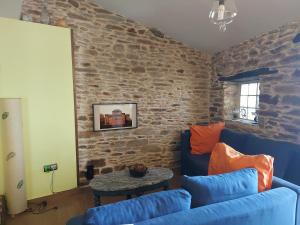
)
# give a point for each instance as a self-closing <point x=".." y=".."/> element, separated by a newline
<point x="121" y="180"/>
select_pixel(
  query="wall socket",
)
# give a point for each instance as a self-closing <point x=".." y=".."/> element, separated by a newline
<point x="50" y="167"/>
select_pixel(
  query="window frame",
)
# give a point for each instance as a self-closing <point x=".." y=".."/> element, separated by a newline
<point x="257" y="94"/>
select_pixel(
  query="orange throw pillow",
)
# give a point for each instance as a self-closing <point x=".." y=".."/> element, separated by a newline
<point x="225" y="159"/>
<point x="204" y="138"/>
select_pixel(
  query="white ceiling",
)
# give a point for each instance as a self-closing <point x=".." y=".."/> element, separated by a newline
<point x="187" y="20"/>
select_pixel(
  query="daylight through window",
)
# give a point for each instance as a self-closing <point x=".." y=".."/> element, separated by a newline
<point x="249" y="101"/>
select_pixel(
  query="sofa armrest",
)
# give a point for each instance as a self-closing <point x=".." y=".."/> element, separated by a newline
<point x="185" y="149"/>
<point x="278" y="182"/>
<point x="185" y="144"/>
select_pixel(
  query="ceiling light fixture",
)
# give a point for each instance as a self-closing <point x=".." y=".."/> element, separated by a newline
<point x="222" y="13"/>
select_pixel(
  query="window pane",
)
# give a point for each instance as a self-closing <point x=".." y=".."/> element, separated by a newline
<point x="258" y="89"/>
<point x="253" y="89"/>
<point x="243" y="102"/>
<point x="251" y="114"/>
<point x="249" y="101"/>
<point x="244" y="89"/>
<point x="243" y="113"/>
<point x="252" y="101"/>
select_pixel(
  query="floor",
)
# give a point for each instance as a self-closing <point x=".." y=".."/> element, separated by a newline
<point x="70" y="203"/>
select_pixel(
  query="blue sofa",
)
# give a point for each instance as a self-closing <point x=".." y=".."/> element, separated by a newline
<point x="279" y="206"/>
<point x="286" y="158"/>
<point x="276" y="207"/>
<point x="286" y="155"/>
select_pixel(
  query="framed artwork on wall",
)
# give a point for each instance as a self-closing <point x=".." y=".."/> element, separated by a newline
<point x="115" y="116"/>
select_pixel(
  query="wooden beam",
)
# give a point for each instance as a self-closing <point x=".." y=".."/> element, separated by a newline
<point x="297" y="38"/>
<point x="252" y="74"/>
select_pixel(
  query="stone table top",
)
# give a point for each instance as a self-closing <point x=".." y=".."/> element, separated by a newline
<point x="121" y="180"/>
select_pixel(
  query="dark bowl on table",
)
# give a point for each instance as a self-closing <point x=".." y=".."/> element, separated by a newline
<point x="138" y="170"/>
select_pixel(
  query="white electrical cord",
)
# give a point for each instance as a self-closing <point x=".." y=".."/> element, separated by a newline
<point x="52" y="183"/>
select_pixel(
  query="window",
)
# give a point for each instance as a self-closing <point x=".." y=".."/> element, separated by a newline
<point x="249" y="101"/>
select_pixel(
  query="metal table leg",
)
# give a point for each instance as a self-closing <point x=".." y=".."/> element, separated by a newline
<point x="97" y="200"/>
<point x="167" y="185"/>
<point x="128" y="196"/>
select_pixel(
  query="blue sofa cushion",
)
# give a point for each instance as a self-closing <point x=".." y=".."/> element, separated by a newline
<point x="207" y="190"/>
<point x="234" y="139"/>
<point x="198" y="164"/>
<point x="274" y="207"/>
<point x="278" y="149"/>
<point x="139" y="209"/>
<point x="192" y="165"/>
<point x="292" y="173"/>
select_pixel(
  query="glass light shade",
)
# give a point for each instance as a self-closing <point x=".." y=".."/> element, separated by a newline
<point x="222" y="13"/>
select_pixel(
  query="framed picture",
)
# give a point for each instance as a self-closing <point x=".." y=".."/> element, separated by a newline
<point x="115" y="116"/>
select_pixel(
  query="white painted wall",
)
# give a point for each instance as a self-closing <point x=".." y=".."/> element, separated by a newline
<point x="10" y="8"/>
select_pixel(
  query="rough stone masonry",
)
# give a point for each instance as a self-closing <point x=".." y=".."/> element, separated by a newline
<point x="118" y="60"/>
<point x="279" y="108"/>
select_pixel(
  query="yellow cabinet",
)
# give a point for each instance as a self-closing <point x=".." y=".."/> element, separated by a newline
<point x="36" y="65"/>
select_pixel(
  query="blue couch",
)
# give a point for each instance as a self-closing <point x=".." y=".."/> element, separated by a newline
<point x="279" y="206"/>
<point x="286" y="158"/>
<point x="276" y="207"/>
<point x="286" y="155"/>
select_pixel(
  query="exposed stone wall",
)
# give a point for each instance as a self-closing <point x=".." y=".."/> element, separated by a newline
<point x="118" y="60"/>
<point x="231" y="99"/>
<point x="279" y="115"/>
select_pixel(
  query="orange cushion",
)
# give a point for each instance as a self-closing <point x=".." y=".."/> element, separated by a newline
<point x="225" y="159"/>
<point x="204" y="138"/>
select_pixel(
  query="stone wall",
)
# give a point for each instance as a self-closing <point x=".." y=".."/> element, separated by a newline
<point x="231" y="99"/>
<point x="118" y="60"/>
<point x="279" y="114"/>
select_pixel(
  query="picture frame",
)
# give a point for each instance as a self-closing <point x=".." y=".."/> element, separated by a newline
<point x="114" y="116"/>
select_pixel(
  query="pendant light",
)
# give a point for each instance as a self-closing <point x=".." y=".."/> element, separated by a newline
<point x="222" y="13"/>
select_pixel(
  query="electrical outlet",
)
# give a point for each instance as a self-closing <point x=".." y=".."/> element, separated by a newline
<point x="50" y="167"/>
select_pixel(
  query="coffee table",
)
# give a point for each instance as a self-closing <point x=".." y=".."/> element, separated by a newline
<point x="121" y="183"/>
